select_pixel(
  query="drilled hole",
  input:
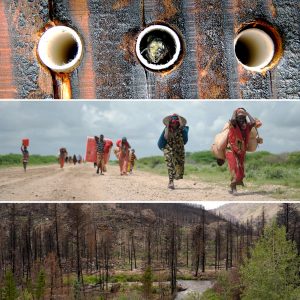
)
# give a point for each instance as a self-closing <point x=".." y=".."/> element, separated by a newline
<point x="254" y="49"/>
<point x="60" y="49"/>
<point x="158" y="47"/>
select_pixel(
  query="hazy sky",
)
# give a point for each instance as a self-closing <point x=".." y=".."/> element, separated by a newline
<point x="52" y="124"/>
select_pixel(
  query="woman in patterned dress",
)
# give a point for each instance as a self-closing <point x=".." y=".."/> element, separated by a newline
<point x="100" y="144"/>
<point x="132" y="159"/>
<point x="172" y="142"/>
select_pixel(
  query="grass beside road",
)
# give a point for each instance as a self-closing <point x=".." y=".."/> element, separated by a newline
<point x="11" y="160"/>
<point x="262" y="168"/>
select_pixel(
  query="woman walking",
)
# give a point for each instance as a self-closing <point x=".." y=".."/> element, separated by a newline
<point x="63" y="153"/>
<point x="25" y="157"/>
<point x="238" y="139"/>
<point x="123" y="154"/>
<point x="132" y="159"/>
<point x="172" y="141"/>
<point x="100" y="144"/>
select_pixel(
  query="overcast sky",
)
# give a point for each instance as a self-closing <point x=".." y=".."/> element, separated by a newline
<point x="51" y="125"/>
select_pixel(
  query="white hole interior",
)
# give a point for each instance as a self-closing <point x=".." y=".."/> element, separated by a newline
<point x="254" y="49"/>
<point x="60" y="49"/>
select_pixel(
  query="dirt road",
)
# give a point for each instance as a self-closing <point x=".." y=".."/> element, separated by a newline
<point x="81" y="183"/>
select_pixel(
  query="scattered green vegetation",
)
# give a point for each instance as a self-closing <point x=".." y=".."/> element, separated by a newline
<point x="76" y="290"/>
<point x="129" y="296"/>
<point x="10" y="291"/>
<point x="261" y="168"/>
<point x="9" y="160"/>
<point x="272" y="272"/>
<point x="147" y="281"/>
<point x="41" y="284"/>
<point x="126" y="278"/>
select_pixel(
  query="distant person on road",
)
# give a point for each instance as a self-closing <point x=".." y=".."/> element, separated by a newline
<point x="100" y="144"/>
<point x="74" y="159"/>
<point x="172" y="141"/>
<point x="25" y="157"/>
<point x="132" y="159"/>
<point x="238" y="138"/>
<point x="62" y="156"/>
<point x="123" y="155"/>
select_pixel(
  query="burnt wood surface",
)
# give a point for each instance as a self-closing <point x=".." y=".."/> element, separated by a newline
<point x="110" y="69"/>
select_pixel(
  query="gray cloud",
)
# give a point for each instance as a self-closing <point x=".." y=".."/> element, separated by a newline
<point x="51" y="124"/>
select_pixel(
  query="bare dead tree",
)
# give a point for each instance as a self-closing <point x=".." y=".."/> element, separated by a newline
<point x="173" y="256"/>
<point x="217" y="247"/>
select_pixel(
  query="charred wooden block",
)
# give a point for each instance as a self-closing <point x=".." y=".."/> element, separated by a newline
<point x="110" y="68"/>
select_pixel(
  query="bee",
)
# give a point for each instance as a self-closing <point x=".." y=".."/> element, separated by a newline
<point x="156" y="50"/>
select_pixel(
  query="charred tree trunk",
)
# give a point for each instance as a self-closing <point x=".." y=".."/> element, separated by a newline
<point x="217" y="248"/>
<point x="203" y="252"/>
<point x="187" y="249"/>
<point x="57" y="238"/>
<point x="173" y="258"/>
<point x="149" y="236"/>
<point x="13" y="238"/>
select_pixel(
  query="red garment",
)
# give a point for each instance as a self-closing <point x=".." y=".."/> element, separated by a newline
<point x="62" y="156"/>
<point x="236" y="151"/>
<point x="61" y="161"/>
<point x="119" y="142"/>
<point x="91" y="150"/>
<point x="107" y="147"/>
<point x="123" y="162"/>
<point x="123" y="156"/>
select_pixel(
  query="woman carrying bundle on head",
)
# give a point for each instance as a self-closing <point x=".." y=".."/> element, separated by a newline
<point x="172" y="141"/>
<point x="25" y="157"/>
<point x="238" y="143"/>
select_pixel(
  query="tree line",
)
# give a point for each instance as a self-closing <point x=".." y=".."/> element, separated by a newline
<point x="59" y="245"/>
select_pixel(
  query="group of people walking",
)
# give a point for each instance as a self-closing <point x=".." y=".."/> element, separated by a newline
<point x="175" y="136"/>
<point x="172" y="141"/>
<point x="64" y="158"/>
<point x="123" y="152"/>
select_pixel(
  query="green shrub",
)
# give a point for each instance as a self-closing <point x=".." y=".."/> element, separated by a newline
<point x="272" y="271"/>
<point x="147" y="281"/>
<point x="40" y="285"/>
<point x="121" y="278"/>
<point x="10" y="289"/>
<point x="209" y="294"/>
<point x="16" y="159"/>
<point x="27" y="295"/>
<point x="274" y="173"/>
<point x="294" y="158"/>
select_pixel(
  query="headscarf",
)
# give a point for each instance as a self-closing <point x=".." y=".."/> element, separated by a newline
<point x="167" y="119"/>
<point x="173" y="119"/>
<point x="241" y="112"/>
<point x="238" y="112"/>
